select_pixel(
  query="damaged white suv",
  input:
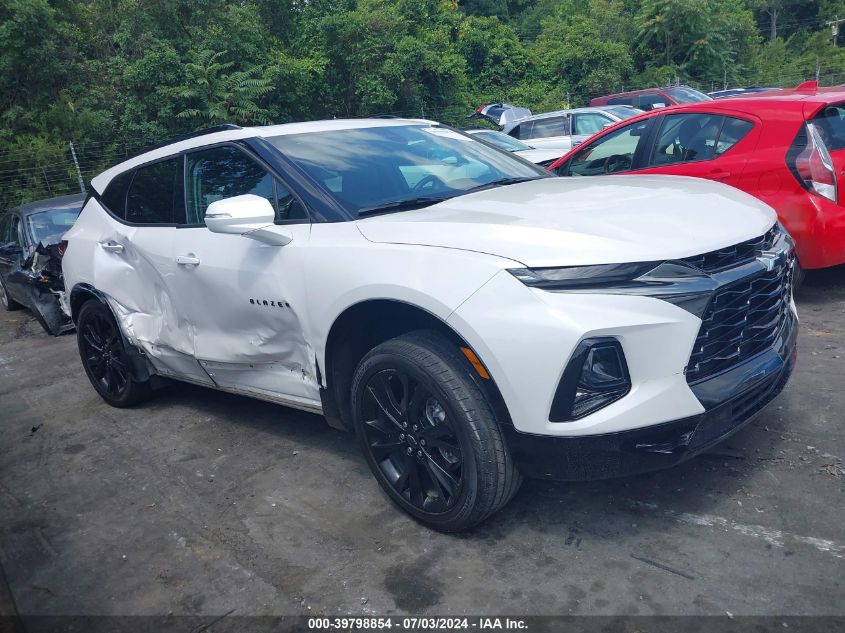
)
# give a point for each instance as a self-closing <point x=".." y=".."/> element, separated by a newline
<point x="473" y="320"/>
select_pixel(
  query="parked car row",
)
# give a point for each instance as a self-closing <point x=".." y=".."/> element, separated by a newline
<point x="470" y="317"/>
<point x="558" y="131"/>
<point x="785" y="147"/>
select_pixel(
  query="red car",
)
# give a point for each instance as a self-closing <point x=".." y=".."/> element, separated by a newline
<point x="787" y="148"/>
<point x="652" y="98"/>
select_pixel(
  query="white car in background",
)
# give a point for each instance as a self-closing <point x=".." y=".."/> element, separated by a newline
<point x="542" y="157"/>
<point x="564" y="129"/>
<point x="471" y="318"/>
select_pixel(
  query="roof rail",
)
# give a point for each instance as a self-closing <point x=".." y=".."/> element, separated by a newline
<point x="184" y="137"/>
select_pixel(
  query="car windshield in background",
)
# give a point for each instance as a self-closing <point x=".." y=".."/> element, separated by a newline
<point x="46" y="224"/>
<point x="398" y="167"/>
<point x="502" y="140"/>
<point x="687" y="95"/>
<point x="830" y="123"/>
<point x="623" y="112"/>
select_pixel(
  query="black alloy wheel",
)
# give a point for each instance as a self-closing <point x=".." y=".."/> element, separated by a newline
<point x="411" y="439"/>
<point x="429" y="433"/>
<point x="104" y="357"/>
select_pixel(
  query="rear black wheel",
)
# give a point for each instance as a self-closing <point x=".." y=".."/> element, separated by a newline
<point x="429" y="433"/>
<point x="103" y="353"/>
<point x="6" y="301"/>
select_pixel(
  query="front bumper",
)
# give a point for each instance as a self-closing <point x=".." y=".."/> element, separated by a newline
<point x="731" y="399"/>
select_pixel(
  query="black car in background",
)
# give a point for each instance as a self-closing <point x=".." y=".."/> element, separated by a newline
<point x="30" y="258"/>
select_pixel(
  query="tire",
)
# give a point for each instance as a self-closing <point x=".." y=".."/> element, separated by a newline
<point x="102" y="350"/>
<point x="798" y="275"/>
<point x="6" y="301"/>
<point x="429" y="433"/>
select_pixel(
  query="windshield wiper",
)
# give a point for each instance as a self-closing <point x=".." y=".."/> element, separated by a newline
<point x="501" y="183"/>
<point x="402" y="205"/>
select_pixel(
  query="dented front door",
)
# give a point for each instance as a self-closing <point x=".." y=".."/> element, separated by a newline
<point x="242" y="302"/>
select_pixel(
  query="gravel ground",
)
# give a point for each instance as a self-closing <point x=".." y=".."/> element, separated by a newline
<point x="201" y="503"/>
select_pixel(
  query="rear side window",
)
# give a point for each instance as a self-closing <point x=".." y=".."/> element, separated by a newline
<point x="156" y="195"/>
<point x="114" y="197"/>
<point x="685" y="138"/>
<point x="650" y="102"/>
<point x="523" y="130"/>
<point x="552" y="126"/>
<point x="830" y="123"/>
<point x="733" y="131"/>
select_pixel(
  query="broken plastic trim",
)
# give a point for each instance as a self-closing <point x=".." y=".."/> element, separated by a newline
<point x="41" y="278"/>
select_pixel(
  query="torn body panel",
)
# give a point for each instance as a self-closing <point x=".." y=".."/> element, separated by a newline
<point x="39" y="279"/>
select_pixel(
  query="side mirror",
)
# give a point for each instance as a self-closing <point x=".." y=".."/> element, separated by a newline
<point x="248" y="215"/>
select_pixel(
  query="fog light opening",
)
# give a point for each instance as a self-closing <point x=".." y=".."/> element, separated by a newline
<point x="595" y="377"/>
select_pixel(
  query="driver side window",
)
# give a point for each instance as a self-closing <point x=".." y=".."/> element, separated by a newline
<point x="611" y="154"/>
<point x="224" y="172"/>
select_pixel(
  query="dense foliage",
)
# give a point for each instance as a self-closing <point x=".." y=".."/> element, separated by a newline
<point x="116" y="75"/>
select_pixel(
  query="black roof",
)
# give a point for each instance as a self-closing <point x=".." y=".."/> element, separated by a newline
<point x="185" y="137"/>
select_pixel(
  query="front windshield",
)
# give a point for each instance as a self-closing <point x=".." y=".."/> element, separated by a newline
<point x="46" y="224"/>
<point x="500" y="139"/>
<point x="366" y="169"/>
<point x="687" y="95"/>
<point x="623" y="112"/>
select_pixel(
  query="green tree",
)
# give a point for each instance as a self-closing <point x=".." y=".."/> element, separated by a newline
<point x="216" y="94"/>
<point x="702" y="39"/>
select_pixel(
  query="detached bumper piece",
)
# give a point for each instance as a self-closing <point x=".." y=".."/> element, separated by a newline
<point x="731" y="399"/>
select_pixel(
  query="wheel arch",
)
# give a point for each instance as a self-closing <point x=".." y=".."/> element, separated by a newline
<point x="81" y="293"/>
<point x="362" y="326"/>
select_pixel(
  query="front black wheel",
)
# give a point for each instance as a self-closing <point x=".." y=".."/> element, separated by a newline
<point x="429" y="433"/>
<point x="6" y="301"/>
<point x="103" y="353"/>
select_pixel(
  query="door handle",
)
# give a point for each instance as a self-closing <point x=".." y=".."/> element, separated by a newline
<point x="187" y="260"/>
<point x="112" y="247"/>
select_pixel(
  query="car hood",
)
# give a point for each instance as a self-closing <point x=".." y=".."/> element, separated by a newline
<point x="580" y="221"/>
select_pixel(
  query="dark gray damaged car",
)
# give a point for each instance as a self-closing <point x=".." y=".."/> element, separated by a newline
<point x="30" y="258"/>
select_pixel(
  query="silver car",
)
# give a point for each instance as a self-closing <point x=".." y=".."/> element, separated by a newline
<point x="564" y="129"/>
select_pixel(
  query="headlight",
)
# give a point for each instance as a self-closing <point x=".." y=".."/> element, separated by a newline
<point x="581" y="276"/>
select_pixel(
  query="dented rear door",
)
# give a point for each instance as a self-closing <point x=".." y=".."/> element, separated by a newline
<point x="129" y="234"/>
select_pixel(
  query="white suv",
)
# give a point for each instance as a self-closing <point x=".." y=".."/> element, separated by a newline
<point x="472" y="319"/>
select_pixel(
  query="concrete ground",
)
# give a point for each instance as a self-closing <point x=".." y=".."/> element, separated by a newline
<point x="204" y="503"/>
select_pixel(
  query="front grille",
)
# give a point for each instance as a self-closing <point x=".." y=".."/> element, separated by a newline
<point x="735" y="255"/>
<point x="743" y="319"/>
